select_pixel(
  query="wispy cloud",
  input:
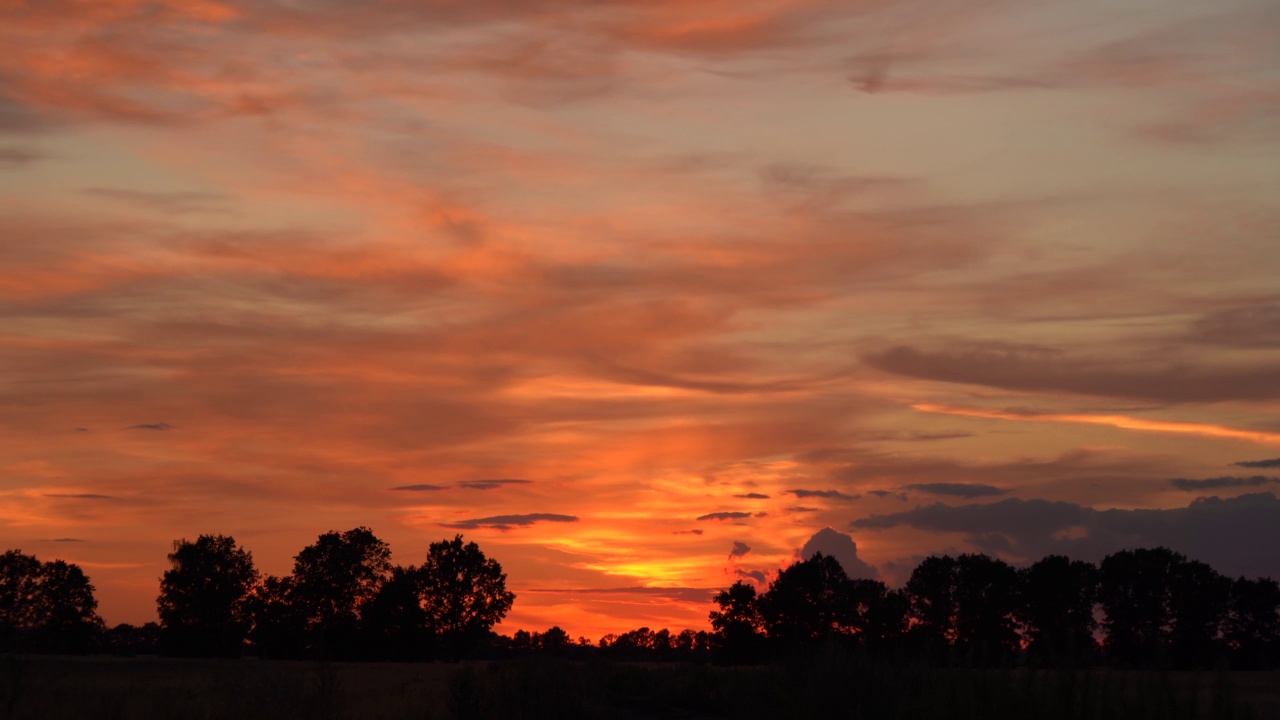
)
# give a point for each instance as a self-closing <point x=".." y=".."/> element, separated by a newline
<point x="506" y="522"/>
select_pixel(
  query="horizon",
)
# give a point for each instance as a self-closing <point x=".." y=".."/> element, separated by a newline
<point x="641" y="298"/>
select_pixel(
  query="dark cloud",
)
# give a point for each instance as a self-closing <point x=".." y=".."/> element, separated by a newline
<point x="1272" y="463"/>
<point x="841" y="547"/>
<point x="826" y="494"/>
<point x="421" y="487"/>
<point x="752" y="496"/>
<point x="490" y="484"/>
<point x="1223" y="482"/>
<point x="81" y="496"/>
<point x="1251" y="326"/>
<point x="803" y="509"/>
<point x="68" y="540"/>
<point x="740" y="549"/>
<point x="152" y="426"/>
<point x="1032" y="368"/>
<point x="506" y="522"/>
<point x="888" y="493"/>
<point x="16" y="117"/>
<point x="687" y="532"/>
<point x="963" y="490"/>
<point x="1235" y="535"/>
<point x="760" y="577"/>
<point x="725" y="516"/>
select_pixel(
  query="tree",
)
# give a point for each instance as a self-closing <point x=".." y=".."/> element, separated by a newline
<point x="931" y="597"/>
<point x="1133" y="591"/>
<point x="1252" y="626"/>
<point x="1056" y="606"/>
<point x="464" y="594"/>
<point x="202" y="598"/>
<point x="45" y="607"/>
<point x="332" y="580"/>
<point x="395" y="622"/>
<point x="279" y="622"/>
<point x="808" y="602"/>
<point x="736" y="625"/>
<point x="1199" y="598"/>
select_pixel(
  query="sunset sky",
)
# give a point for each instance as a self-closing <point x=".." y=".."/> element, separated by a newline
<point x="640" y="295"/>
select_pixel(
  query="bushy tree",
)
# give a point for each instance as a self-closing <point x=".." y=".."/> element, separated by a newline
<point x="736" y="626"/>
<point x="332" y="580"/>
<point x="808" y="602"/>
<point x="1199" y="598"/>
<point x="202" y="598"/>
<point x="1056" y="607"/>
<point x="1252" y="626"/>
<point x="1133" y="590"/>
<point x="46" y="607"/>
<point x="463" y="593"/>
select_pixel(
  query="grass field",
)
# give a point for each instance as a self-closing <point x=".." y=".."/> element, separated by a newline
<point x="54" y="688"/>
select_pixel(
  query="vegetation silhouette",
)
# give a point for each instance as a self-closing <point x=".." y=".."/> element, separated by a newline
<point x="345" y="600"/>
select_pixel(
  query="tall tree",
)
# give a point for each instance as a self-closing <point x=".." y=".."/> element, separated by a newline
<point x="808" y="602"/>
<point x="1133" y="590"/>
<point x="1056" y="607"/>
<point x="931" y="595"/>
<point x="736" y="625"/>
<point x="332" y="580"/>
<point x="1252" y="627"/>
<point x="1199" y="598"/>
<point x="464" y="593"/>
<point x="202" y="598"/>
<point x="279" y="621"/>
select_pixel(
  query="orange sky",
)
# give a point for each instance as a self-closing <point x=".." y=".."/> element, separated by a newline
<point x="620" y="289"/>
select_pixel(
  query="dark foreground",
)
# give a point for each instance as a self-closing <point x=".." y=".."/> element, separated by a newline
<point x="52" y="688"/>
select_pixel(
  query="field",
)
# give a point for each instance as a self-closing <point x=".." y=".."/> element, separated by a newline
<point x="54" y="688"/>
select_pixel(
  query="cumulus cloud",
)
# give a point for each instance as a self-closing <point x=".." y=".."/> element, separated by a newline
<point x="740" y="549"/>
<point x="421" y="487"/>
<point x="829" y="541"/>
<point x="1272" y="463"/>
<point x="725" y="516"/>
<point x="963" y="490"/>
<point x="1223" y="482"/>
<point x="506" y="522"/>
<point x="825" y="494"/>
<point x="1235" y="535"/>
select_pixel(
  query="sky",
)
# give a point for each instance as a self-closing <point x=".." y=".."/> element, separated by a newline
<point x="645" y="298"/>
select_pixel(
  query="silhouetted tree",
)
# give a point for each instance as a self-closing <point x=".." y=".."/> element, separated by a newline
<point x="279" y="621"/>
<point x="1252" y="625"/>
<point x="736" y="625"/>
<point x="332" y="579"/>
<point x="1056" y="607"/>
<point x="1199" y="598"/>
<point x="46" y="607"/>
<point x="810" y="601"/>
<point x="463" y="593"/>
<point x="555" y="640"/>
<point x="881" y="613"/>
<point x="986" y="600"/>
<point x="202" y="594"/>
<point x="128" y="640"/>
<point x="1133" y="591"/>
<point x="931" y="596"/>
<point x="395" y="622"/>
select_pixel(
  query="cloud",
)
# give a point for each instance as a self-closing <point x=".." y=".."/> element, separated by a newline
<point x="841" y="547"/>
<point x="506" y="522"/>
<point x="697" y="531"/>
<point x="152" y="426"/>
<point x="803" y="509"/>
<point x="963" y="490"/>
<point x="678" y="594"/>
<point x="1255" y="326"/>
<point x="81" y="496"/>
<point x="724" y="516"/>
<point x="825" y="494"/>
<point x="1234" y="535"/>
<point x="1223" y="482"/>
<point x="1272" y="463"/>
<point x="888" y="493"/>
<point x="170" y="202"/>
<point x="19" y="156"/>
<point x="68" y="540"/>
<point x="752" y="496"/>
<point x="421" y="487"/>
<point x="759" y="577"/>
<point x="740" y="549"/>
<point x="490" y="484"/>
<point x="1028" y="368"/>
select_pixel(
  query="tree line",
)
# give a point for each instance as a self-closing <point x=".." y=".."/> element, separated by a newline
<point x="345" y="600"/>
